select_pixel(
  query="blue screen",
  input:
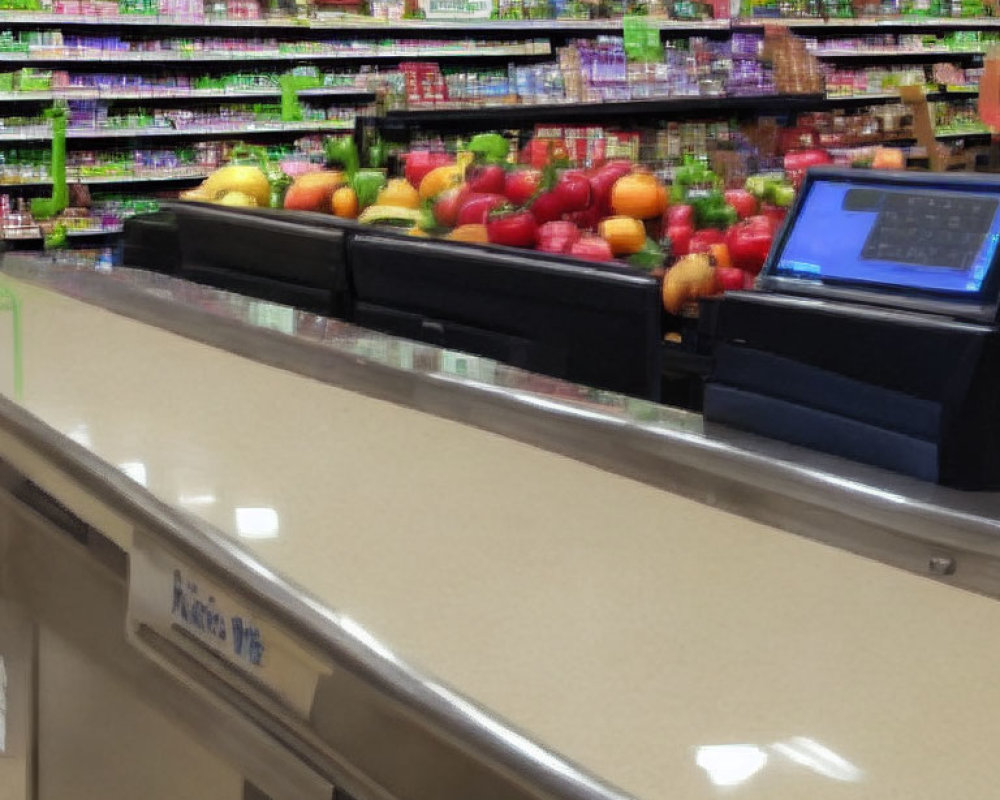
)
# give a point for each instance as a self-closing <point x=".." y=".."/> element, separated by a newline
<point x="908" y="237"/>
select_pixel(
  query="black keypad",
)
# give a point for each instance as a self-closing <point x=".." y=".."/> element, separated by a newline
<point x="927" y="229"/>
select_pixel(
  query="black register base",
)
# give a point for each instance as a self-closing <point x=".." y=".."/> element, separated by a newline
<point x="874" y="335"/>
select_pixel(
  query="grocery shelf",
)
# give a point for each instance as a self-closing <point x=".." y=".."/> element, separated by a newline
<point x="892" y="97"/>
<point x="665" y="107"/>
<point x="355" y="23"/>
<point x="874" y="23"/>
<point x="893" y="53"/>
<point x="73" y="234"/>
<point x="198" y="56"/>
<point x="362" y="95"/>
<point x="962" y="134"/>
<point x="112" y="180"/>
<point x="43" y="133"/>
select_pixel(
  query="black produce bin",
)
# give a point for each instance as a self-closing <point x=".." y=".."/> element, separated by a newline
<point x="271" y="255"/>
<point x="593" y="324"/>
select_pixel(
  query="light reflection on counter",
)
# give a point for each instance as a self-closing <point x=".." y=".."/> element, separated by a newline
<point x="257" y="523"/>
<point x="80" y="435"/>
<point x="820" y="759"/>
<point x="733" y="764"/>
<point x="136" y="470"/>
<point x="730" y="764"/>
<point x="204" y="499"/>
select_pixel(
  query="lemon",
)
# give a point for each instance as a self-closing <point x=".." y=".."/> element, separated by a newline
<point x="240" y="199"/>
<point x="247" y="180"/>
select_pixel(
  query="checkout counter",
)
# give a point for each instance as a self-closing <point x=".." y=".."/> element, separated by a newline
<point x="248" y="551"/>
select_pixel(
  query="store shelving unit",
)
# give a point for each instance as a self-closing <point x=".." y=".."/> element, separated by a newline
<point x="118" y="180"/>
<point x="40" y="134"/>
<point x="145" y="96"/>
<point x="322" y="41"/>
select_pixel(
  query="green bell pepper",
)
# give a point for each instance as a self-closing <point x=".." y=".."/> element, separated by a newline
<point x="378" y="153"/>
<point x="649" y="258"/>
<point x="489" y="147"/>
<point x="343" y="151"/>
<point x="367" y="183"/>
<point x="712" y="211"/>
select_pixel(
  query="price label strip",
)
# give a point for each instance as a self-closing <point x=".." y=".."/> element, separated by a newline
<point x="183" y="606"/>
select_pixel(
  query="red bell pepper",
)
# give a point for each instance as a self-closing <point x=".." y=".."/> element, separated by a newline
<point x="573" y="190"/>
<point x="557" y="236"/>
<point x="702" y="241"/>
<point x="681" y="214"/>
<point x="520" y="185"/>
<point x="420" y="162"/>
<point x="680" y="238"/>
<point x="729" y="278"/>
<point x="448" y="204"/>
<point x="603" y="180"/>
<point x="798" y="161"/>
<point x="476" y="207"/>
<point x="776" y="214"/>
<point x="486" y="178"/>
<point x="742" y="201"/>
<point x="587" y="219"/>
<point x="546" y="207"/>
<point x="512" y="228"/>
<point x="749" y="243"/>
<point x="591" y="248"/>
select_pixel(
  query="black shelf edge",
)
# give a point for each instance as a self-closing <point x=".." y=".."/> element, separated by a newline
<point x="667" y="107"/>
<point x="817" y="25"/>
<point x="907" y="57"/>
<point x="664" y="107"/>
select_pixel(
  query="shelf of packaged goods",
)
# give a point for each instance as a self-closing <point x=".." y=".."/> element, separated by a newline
<point x="83" y="233"/>
<point x="871" y="23"/>
<point x="969" y="134"/>
<point x="899" y="141"/>
<point x="43" y="133"/>
<point x="112" y="180"/>
<point x="355" y="23"/>
<point x="895" y="54"/>
<point x="172" y="57"/>
<point x="361" y="95"/>
<point x="551" y="112"/>
<point x="877" y="99"/>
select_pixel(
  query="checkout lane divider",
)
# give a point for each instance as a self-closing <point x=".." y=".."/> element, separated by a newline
<point x="464" y="737"/>
<point x="894" y="519"/>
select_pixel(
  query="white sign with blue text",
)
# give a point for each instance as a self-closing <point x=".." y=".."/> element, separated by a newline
<point x="180" y="604"/>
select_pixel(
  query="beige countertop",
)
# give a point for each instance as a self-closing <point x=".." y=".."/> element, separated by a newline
<point x="669" y="648"/>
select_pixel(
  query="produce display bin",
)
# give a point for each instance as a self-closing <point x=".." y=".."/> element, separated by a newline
<point x="595" y="324"/>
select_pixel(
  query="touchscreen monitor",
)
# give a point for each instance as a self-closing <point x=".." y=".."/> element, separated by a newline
<point x="931" y="235"/>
